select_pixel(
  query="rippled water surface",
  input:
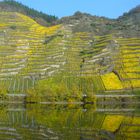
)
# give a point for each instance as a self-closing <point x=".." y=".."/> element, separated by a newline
<point x="70" y="122"/>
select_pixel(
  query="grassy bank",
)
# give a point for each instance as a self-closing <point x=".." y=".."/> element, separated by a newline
<point x="64" y="88"/>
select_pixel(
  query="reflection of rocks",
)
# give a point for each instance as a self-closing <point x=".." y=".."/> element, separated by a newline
<point x="108" y="135"/>
<point x="62" y="122"/>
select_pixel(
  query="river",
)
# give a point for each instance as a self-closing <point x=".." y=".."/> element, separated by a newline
<point x="100" y="121"/>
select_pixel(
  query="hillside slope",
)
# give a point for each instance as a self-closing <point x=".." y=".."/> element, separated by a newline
<point x="127" y="25"/>
<point x="55" y="61"/>
<point x="22" y="49"/>
<point x="83" y="22"/>
<point x="40" y="17"/>
<point x="130" y="22"/>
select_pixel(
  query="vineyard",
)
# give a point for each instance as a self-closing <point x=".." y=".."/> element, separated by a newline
<point x="54" y="61"/>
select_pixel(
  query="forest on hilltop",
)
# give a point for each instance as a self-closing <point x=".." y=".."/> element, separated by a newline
<point x="40" y="17"/>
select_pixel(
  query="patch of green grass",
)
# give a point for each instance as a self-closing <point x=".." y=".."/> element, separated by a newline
<point x="63" y="88"/>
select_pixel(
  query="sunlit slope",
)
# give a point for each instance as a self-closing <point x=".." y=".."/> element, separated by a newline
<point x="129" y="69"/>
<point x="84" y="63"/>
<point x="126" y="70"/>
<point x="115" y="60"/>
<point x="24" y="55"/>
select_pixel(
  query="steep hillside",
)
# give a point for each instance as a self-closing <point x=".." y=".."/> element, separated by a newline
<point x="23" y="53"/>
<point x="13" y="6"/>
<point x="60" y="64"/>
<point x="127" y="25"/>
<point x="130" y="22"/>
<point x="83" y="22"/>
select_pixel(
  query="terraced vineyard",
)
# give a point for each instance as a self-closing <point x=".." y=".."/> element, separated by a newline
<point x="23" y="57"/>
<point x="33" y="56"/>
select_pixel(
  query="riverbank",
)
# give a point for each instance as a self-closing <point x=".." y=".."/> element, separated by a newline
<point x="35" y="99"/>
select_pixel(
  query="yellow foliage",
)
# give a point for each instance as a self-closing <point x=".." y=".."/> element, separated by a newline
<point x="135" y="83"/>
<point x="111" y="81"/>
<point x="25" y="18"/>
<point x="112" y="123"/>
<point x="2" y="25"/>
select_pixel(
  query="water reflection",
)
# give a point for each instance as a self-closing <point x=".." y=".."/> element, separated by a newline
<point x="69" y="122"/>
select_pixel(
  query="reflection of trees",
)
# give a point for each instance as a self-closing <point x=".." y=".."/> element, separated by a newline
<point x="77" y="123"/>
<point x="66" y="122"/>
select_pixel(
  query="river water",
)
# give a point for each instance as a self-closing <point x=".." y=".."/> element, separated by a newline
<point x="101" y="121"/>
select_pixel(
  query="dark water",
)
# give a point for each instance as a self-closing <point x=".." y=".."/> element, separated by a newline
<point x="70" y="122"/>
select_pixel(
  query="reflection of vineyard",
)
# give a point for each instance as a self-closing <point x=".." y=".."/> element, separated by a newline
<point x="46" y="122"/>
<point x="16" y="124"/>
<point x="30" y="52"/>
